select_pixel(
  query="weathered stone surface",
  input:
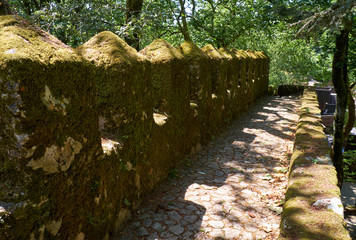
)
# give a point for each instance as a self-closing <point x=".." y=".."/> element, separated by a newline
<point x="2" y="211"/>
<point x="216" y="224"/>
<point x="58" y="103"/>
<point x="49" y="133"/>
<point x="241" y="194"/>
<point x="216" y="233"/>
<point x="142" y="231"/>
<point x="173" y="215"/>
<point x="57" y="158"/>
<point x="147" y="222"/>
<point x="176" y="229"/>
<point x="231" y="233"/>
<point x="158" y="226"/>
<point x="311" y="182"/>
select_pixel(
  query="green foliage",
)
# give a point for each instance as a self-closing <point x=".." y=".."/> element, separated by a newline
<point x="127" y="202"/>
<point x="292" y="60"/>
<point x="246" y="24"/>
<point x="74" y="22"/>
<point x="350" y="165"/>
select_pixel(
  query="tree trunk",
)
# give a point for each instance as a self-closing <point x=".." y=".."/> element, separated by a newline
<point x="351" y="116"/>
<point x="133" y="11"/>
<point x="184" y="28"/>
<point x="339" y="79"/>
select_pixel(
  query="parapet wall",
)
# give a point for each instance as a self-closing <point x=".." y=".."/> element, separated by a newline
<point x="88" y="132"/>
<point x="313" y="209"/>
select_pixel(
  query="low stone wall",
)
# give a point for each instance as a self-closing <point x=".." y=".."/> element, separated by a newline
<point x="313" y="209"/>
<point x="87" y="132"/>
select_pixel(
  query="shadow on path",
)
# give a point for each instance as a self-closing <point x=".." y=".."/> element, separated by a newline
<point x="232" y="189"/>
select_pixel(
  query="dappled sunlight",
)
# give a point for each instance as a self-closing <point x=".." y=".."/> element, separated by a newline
<point x="109" y="145"/>
<point x="244" y="195"/>
<point x="234" y="187"/>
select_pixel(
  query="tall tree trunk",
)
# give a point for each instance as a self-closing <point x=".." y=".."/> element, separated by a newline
<point x="133" y="11"/>
<point x="339" y="79"/>
<point x="184" y="28"/>
<point x="351" y="115"/>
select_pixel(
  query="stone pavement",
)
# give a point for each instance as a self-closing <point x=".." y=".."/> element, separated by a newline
<point x="233" y="189"/>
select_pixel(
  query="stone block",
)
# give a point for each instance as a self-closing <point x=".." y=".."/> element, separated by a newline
<point x="49" y="133"/>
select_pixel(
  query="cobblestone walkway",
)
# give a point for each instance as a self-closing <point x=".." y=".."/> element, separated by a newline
<point x="233" y="189"/>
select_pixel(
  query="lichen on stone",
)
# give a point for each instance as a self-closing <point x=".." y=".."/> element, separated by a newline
<point x="57" y="158"/>
<point x="54" y="226"/>
<point x="109" y="145"/>
<point x="52" y="103"/>
<point x="160" y="119"/>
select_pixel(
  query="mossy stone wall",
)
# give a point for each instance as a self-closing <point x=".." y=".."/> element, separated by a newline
<point x="242" y="83"/>
<point x="200" y="84"/>
<point x="171" y="90"/>
<point x="230" y="83"/>
<point x="218" y="73"/>
<point x="88" y="132"/>
<point x="49" y="131"/>
<point x="313" y="209"/>
<point x="123" y="78"/>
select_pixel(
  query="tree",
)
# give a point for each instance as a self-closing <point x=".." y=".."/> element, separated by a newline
<point x="30" y="6"/>
<point x="133" y="11"/>
<point x="184" y="26"/>
<point x="340" y="82"/>
<point x="243" y="24"/>
<point x="75" y="21"/>
<point x="339" y="19"/>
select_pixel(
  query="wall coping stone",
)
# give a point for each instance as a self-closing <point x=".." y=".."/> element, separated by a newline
<point x="313" y="209"/>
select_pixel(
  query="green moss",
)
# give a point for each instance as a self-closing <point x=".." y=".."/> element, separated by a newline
<point x="20" y="40"/>
<point x="310" y="181"/>
<point x="191" y="51"/>
<point x="211" y="51"/>
<point x="124" y="90"/>
<point x="55" y="99"/>
<point x="241" y="54"/>
<point x="226" y="53"/>
<point x="200" y="84"/>
<point x="57" y="88"/>
<point x="161" y="51"/>
<point x="108" y="49"/>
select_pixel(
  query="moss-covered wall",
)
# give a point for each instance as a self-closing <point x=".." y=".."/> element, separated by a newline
<point x="170" y="79"/>
<point x="49" y="135"/>
<point x="313" y="209"/>
<point x="200" y="84"/>
<point x="87" y="132"/>
<point x="219" y="97"/>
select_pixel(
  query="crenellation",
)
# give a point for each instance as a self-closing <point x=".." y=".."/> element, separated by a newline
<point x="92" y="130"/>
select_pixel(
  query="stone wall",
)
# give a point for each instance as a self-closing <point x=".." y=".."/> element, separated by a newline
<point x="313" y="209"/>
<point x="87" y="132"/>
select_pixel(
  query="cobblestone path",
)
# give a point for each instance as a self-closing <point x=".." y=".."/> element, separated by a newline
<point x="233" y="189"/>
